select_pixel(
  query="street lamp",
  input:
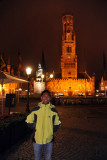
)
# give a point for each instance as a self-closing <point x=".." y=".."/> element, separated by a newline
<point x="51" y="75"/>
<point x="28" y="72"/>
<point x="42" y="77"/>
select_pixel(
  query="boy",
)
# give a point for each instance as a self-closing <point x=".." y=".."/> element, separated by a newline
<point x="45" y="120"/>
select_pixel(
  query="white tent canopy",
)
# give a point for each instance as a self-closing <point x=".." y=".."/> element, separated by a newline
<point x="6" y="78"/>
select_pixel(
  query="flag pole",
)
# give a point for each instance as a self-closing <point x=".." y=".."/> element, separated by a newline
<point x="105" y="83"/>
<point x="104" y="64"/>
<point x="2" y="96"/>
<point x="85" y="69"/>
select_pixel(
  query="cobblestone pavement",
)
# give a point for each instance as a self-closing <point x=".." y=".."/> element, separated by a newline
<point x="82" y="136"/>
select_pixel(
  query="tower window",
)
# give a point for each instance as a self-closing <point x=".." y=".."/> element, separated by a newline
<point x="68" y="49"/>
<point x="68" y="31"/>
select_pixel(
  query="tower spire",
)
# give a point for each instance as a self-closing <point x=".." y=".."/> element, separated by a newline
<point x="43" y="62"/>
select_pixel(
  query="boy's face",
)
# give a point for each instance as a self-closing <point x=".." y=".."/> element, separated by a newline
<point x="45" y="98"/>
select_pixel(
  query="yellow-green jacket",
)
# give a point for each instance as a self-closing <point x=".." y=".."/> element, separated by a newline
<point x="45" y="120"/>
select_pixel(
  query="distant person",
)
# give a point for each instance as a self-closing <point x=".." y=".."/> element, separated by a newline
<point x="45" y="120"/>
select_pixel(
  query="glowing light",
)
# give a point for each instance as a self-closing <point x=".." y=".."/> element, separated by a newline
<point x="20" y="89"/>
<point x="97" y="90"/>
<point x="102" y="88"/>
<point x="51" y="75"/>
<point x="28" y="70"/>
<point x="42" y="76"/>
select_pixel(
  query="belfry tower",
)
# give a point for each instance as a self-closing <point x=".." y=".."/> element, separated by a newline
<point x="69" y="57"/>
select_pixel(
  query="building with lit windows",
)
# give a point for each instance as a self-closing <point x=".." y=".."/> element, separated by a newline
<point x="102" y="88"/>
<point x="12" y="88"/>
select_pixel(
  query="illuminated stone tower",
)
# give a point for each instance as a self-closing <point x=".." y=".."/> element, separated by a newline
<point x="70" y="84"/>
<point x="69" y="57"/>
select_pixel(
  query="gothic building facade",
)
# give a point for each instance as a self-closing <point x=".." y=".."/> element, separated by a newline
<point x="11" y="88"/>
<point x="71" y="83"/>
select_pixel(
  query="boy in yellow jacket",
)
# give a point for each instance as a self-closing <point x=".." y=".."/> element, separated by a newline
<point x="45" y="120"/>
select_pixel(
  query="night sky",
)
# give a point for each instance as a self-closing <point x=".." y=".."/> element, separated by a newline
<point x="31" y="26"/>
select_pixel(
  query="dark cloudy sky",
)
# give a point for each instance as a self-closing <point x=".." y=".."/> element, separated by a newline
<point x="35" y="25"/>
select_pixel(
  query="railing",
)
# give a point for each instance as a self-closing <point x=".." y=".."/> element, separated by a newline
<point x="79" y="100"/>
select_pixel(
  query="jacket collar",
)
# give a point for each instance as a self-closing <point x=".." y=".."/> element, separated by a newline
<point x="45" y="105"/>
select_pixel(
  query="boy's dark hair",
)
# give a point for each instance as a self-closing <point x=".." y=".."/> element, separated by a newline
<point x="46" y="91"/>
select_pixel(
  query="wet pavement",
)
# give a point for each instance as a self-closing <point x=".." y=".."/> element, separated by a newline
<point x="82" y="136"/>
